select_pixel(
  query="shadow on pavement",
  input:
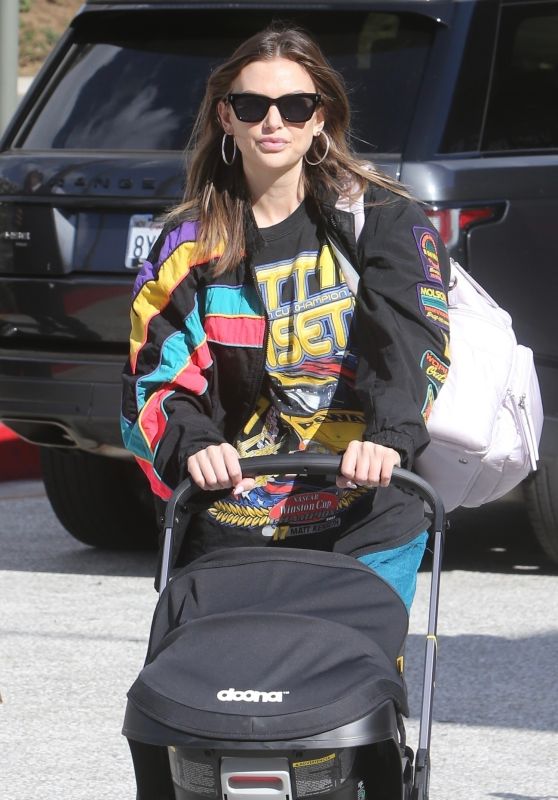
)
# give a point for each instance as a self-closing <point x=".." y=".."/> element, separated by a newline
<point x="494" y="538"/>
<point x="33" y="540"/>
<point x="489" y="680"/>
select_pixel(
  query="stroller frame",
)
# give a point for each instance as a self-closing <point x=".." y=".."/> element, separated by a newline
<point x="312" y="464"/>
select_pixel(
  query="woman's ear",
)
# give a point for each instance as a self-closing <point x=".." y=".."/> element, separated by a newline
<point x="319" y="123"/>
<point x="224" y="114"/>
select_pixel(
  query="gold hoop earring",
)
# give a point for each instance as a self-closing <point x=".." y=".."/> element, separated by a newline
<point x="315" y="163"/>
<point x="223" y="141"/>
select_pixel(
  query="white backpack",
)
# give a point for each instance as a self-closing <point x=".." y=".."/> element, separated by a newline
<point x="486" y="423"/>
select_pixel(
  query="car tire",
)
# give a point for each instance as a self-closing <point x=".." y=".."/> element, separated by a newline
<point x="541" y="498"/>
<point x="103" y="502"/>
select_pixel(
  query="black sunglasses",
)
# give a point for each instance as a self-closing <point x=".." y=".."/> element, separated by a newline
<point x="292" y="107"/>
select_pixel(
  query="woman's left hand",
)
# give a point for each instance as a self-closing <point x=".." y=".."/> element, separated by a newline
<point x="367" y="464"/>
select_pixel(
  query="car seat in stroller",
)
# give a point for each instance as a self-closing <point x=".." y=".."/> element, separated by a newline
<point x="276" y="673"/>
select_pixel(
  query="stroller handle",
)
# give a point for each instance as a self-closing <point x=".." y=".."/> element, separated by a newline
<point x="293" y="464"/>
<point x="308" y="464"/>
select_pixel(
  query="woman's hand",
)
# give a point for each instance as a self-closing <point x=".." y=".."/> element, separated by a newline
<point x="367" y="464"/>
<point x="217" y="467"/>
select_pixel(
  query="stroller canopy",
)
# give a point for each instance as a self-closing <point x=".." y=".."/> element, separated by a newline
<point x="268" y="644"/>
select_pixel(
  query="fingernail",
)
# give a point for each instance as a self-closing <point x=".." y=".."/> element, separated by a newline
<point x="238" y="489"/>
<point x="351" y="485"/>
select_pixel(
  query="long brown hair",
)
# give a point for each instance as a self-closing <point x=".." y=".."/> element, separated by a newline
<point x="217" y="195"/>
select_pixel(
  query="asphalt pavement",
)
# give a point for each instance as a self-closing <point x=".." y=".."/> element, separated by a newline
<point x="75" y="621"/>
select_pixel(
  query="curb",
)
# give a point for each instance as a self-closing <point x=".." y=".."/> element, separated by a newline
<point x="19" y="460"/>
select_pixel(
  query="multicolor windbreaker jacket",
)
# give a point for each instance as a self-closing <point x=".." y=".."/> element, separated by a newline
<point x="198" y="342"/>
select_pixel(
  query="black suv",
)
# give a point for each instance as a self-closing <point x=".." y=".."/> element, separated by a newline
<point x="458" y="99"/>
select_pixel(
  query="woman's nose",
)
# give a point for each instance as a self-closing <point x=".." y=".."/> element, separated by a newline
<point x="273" y="118"/>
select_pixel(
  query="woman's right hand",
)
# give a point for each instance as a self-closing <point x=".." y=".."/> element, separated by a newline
<point x="217" y="467"/>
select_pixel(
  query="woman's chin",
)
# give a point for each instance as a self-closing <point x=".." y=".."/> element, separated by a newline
<point x="276" y="162"/>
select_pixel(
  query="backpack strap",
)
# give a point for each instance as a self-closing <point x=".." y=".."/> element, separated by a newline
<point x="356" y="208"/>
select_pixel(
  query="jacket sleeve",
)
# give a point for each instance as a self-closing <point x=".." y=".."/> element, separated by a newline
<point x="403" y="308"/>
<point x="166" y="410"/>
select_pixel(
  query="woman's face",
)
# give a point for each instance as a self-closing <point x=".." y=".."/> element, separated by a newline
<point x="273" y="144"/>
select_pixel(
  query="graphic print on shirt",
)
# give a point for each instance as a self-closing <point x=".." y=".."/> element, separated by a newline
<point x="311" y="370"/>
<point x="309" y="402"/>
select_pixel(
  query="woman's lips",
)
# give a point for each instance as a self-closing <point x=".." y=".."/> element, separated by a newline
<point x="272" y="145"/>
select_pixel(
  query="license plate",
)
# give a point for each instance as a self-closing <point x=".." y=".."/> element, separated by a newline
<point x="142" y="235"/>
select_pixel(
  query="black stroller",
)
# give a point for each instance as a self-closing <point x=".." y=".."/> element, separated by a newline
<point x="276" y="673"/>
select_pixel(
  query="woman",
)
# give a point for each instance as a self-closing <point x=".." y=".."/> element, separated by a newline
<point x="246" y="338"/>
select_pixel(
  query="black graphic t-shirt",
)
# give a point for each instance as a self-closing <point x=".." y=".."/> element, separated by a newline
<point x="308" y="402"/>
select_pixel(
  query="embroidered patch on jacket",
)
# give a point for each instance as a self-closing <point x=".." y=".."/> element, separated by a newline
<point x="434" y="305"/>
<point x="428" y="250"/>
<point x="428" y="403"/>
<point x="436" y="370"/>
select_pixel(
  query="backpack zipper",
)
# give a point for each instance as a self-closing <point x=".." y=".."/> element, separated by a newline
<point x="525" y="426"/>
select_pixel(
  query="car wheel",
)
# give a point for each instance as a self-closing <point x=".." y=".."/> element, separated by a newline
<point x="103" y="502"/>
<point x="541" y="490"/>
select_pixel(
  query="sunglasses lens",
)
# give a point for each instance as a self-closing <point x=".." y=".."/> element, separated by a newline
<point x="250" y="108"/>
<point x="297" y="107"/>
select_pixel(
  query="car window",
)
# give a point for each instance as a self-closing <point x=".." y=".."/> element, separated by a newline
<point x="523" y="102"/>
<point x="134" y="82"/>
<point x="462" y="131"/>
